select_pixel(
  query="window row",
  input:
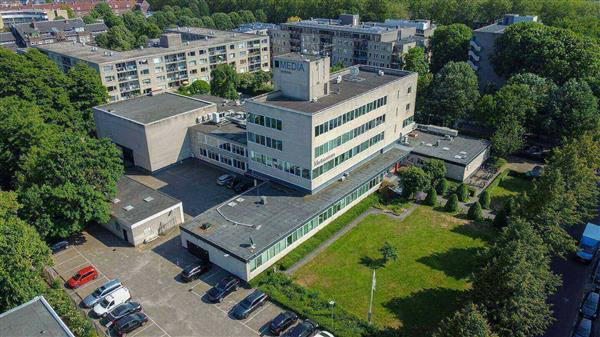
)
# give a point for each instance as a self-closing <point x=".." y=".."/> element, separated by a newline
<point x="269" y="122"/>
<point x="265" y="141"/>
<point x="348" y="116"/>
<point x="239" y="150"/>
<point x="347" y="155"/>
<point x="280" y="164"/>
<point x="408" y="121"/>
<point x="332" y="144"/>
<point x="275" y="249"/>
<point x="239" y="164"/>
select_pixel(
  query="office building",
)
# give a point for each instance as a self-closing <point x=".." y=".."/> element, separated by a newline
<point x="182" y="56"/>
<point x="33" y="318"/>
<point x="12" y="17"/>
<point x="46" y="32"/>
<point x="349" y="41"/>
<point x="483" y="46"/>
<point x="79" y="7"/>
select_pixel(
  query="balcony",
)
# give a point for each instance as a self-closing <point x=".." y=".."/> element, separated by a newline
<point x="473" y="56"/>
<point x="475" y="45"/>
<point x="473" y="65"/>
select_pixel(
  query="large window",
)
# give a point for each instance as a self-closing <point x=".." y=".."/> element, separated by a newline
<point x="265" y="141"/>
<point x="280" y="164"/>
<point x="332" y="144"/>
<point x="268" y="122"/>
<point x="349" y="116"/>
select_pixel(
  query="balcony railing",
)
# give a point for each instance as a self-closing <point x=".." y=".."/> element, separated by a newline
<point x="473" y="55"/>
<point x="473" y="65"/>
<point x="475" y="45"/>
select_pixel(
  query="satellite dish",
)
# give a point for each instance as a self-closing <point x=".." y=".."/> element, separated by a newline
<point x="354" y="71"/>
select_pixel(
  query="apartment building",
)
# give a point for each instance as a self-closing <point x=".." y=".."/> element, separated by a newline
<point x="45" y="32"/>
<point x="349" y="41"/>
<point x="182" y="56"/>
<point x="483" y="45"/>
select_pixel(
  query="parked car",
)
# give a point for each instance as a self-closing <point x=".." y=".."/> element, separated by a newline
<point x="59" y="246"/>
<point x="98" y="294"/>
<point x="231" y="183"/>
<point x="224" y="179"/>
<point x="304" y="329"/>
<point x="283" y="321"/>
<point x="583" y="328"/>
<point x="249" y="304"/>
<point x="82" y="277"/>
<point x="194" y="271"/>
<point x="242" y="186"/>
<point x="226" y="286"/>
<point x="535" y="172"/>
<point x="123" y="310"/>
<point x="596" y="276"/>
<point x="324" y="334"/>
<point x="129" y="323"/>
<point x="112" y="301"/>
<point x="589" y="307"/>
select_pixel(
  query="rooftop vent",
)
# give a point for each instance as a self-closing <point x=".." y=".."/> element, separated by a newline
<point x="462" y="152"/>
<point x="338" y="79"/>
<point x="148" y="199"/>
<point x="446" y="148"/>
<point x="128" y="208"/>
<point x="116" y="200"/>
<point x="263" y="200"/>
<point x="380" y="73"/>
<point x="205" y="226"/>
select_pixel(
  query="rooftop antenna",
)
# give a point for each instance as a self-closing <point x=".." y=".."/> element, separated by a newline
<point x="354" y="71"/>
<point x="252" y="245"/>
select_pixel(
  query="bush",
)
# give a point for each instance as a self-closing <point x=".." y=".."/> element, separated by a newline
<point x="442" y="187"/>
<point x="431" y="199"/>
<point x="501" y="219"/>
<point x="452" y="203"/>
<point x="68" y="312"/>
<point x="497" y="162"/>
<point x="462" y="191"/>
<point x="475" y="212"/>
<point x="485" y="199"/>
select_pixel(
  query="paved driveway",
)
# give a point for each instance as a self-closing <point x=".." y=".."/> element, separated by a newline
<point x="174" y="309"/>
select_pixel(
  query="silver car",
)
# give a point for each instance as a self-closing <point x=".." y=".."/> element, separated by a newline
<point x="98" y="294"/>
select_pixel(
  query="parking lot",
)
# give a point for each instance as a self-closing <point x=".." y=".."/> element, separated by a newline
<point x="151" y="274"/>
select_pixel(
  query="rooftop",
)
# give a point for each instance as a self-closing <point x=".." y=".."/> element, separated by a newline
<point x="144" y="201"/>
<point x="228" y="130"/>
<point x="286" y="210"/>
<point x="253" y="26"/>
<point x="222" y="103"/>
<point x="460" y="149"/>
<point x="349" y="88"/>
<point x="45" y="27"/>
<point x="149" y="109"/>
<point x="34" y="318"/>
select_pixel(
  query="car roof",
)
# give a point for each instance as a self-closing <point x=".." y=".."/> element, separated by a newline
<point x="85" y="270"/>
<point x="593" y="295"/>
<point x="255" y="294"/>
<point x="110" y="283"/>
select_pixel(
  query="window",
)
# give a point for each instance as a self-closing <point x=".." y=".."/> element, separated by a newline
<point x="349" y="116"/>
<point x="265" y="141"/>
<point x="332" y="144"/>
<point x="279" y="164"/>
<point x="109" y="78"/>
<point x="157" y="60"/>
<point x="408" y="121"/>
<point x="192" y="53"/>
<point x="108" y="68"/>
<point x="409" y="90"/>
<point x="265" y="121"/>
<point x="145" y="71"/>
<point x="408" y="107"/>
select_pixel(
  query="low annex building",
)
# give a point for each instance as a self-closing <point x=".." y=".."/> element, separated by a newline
<point x="33" y="318"/>
<point x="140" y="214"/>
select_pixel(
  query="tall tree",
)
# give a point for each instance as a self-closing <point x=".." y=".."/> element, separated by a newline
<point x="86" y="91"/>
<point x="413" y="180"/>
<point x="573" y="109"/>
<point x="449" y="43"/>
<point x="224" y="81"/>
<point x="470" y="321"/>
<point x="436" y="170"/>
<point x="415" y="60"/>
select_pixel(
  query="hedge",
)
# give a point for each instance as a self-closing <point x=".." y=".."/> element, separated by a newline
<point x="498" y="179"/>
<point x="68" y="312"/>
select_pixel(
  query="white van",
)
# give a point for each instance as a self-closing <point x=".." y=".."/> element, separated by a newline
<point x="111" y="301"/>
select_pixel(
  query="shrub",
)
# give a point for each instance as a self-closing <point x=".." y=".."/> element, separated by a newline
<point x="485" y="199"/>
<point x="501" y="219"/>
<point x="452" y="203"/>
<point x="68" y="312"/>
<point x="462" y="191"/>
<point x="431" y="199"/>
<point x="475" y="212"/>
<point x="442" y="187"/>
<point x="497" y="162"/>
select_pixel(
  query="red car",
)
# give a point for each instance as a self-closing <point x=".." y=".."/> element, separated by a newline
<point x="82" y="277"/>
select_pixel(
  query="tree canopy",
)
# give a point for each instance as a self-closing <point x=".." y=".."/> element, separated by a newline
<point x="224" y="82"/>
<point x="449" y="43"/>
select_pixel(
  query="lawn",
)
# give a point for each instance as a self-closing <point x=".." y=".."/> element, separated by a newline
<point x="436" y="255"/>
<point x="508" y="186"/>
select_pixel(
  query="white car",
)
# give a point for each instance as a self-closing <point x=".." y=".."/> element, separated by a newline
<point x="324" y="334"/>
<point x="111" y="301"/>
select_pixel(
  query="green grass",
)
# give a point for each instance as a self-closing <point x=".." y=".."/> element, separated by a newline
<point x="436" y="255"/>
<point x="508" y="184"/>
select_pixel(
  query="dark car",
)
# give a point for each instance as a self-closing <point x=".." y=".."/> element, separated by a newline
<point x="194" y="271"/>
<point x="304" y="329"/>
<point x="224" y="179"/>
<point x="583" y="328"/>
<point x="589" y="307"/>
<point x="130" y="323"/>
<point x="223" y="288"/>
<point x="596" y="276"/>
<point x="283" y="321"/>
<point x="249" y="304"/>
<point x="123" y="310"/>
<point x="231" y="183"/>
<point x="241" y="187"/>
<point x="58" y="246"/>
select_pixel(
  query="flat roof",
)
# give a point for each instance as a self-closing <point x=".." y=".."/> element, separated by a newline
<point x="493" y="28"/>
<point x="223" y="104"/>
<point x="150" y="109"/>
<point x="228" y="131"/>
<point x="349" y="88"/>
<point x="460" y="150"/>
<point x="145" y="201"/>
<point x="33" y="318"/>
<point x="285" y="211"/>
<point x="101" y="55"/>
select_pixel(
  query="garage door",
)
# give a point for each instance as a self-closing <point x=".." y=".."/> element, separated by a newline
<point x="197" y="251"/>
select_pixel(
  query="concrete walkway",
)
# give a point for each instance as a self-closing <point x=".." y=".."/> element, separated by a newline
<point x="345" y="230"/>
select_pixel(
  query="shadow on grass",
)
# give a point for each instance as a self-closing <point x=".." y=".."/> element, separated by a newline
<point x="482" y="230"/>
<point x="372" y="263"/>
<point x="422" y="312"/>
<point x="458" y="263"/>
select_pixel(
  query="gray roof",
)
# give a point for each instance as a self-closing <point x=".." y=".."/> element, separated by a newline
<point x="286" y="210"/>
<point x="460" y="150"/>
<point x="494" y="28"/>
<point x="45" y="27"/>
<point x="135" y="194"/>
<point x="150" y="109"/>
<point x="222" y="103"/>
<point x="367" y="80"/>
<point x="7" y="37"/>
<point x="34" y="318"/>
<point x="228" y="131"/>
<point x="96" y="27"/>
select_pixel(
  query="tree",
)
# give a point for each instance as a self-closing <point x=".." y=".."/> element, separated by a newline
<point x="485" y="199"/>
<point x="431" y="199"/>
<point x="454" y="92"/>
<point x="573" y="109"/>
<point x="449" y="43"/>
<point x="294" y="19"/>
<point x="436" y="170"/>
<point x="222" y="21"/>
<point x="413" y="180"/>
<point x="452" y="203"/>
<point x="515" y="101"/>
<point x="462" y="192"/>
<point x="247" y="16"/>
<point x="22" y="256"/>
<point x="475" y="212"/>
<point x="554" y="53"/>
<point x="260" y="15"/>
<point x="516" y="281"/>
<point x="236" y="19"/>
<point x="117" y="38"/>
<point x="415" y="60"/>
<point x="388" y="252"/>
<point x="86" y="91"/>
<point x="509" y="136"/>
<point x="224" y="81"/>
<point x="470" y="321"/>
<point x="197" y="87"/>
<point x="66" y="183"/>
<point x="442" y="186"/>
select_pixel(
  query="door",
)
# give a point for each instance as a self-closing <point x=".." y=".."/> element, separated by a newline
<point x="197" y="251"/>
<point x="125" y="236"/>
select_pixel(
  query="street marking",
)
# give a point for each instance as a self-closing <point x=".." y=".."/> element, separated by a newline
<point x="142" y="329"/>
<point x="161" y="329"/>
<point x="258" y="312"/>
<point x="67" y="260"/>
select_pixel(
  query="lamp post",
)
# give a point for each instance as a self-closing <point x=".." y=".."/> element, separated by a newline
<point x="371" y="300"/>
<point x="332" y="304"/>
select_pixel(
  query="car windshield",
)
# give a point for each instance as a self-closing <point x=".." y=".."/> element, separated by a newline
<point x="582" y="329"/>
<point x="97" y="292"/>
<point x="189" y="269"/>
<point x="279" y="319"/>
<point x="120" y="310"/>
<point x="77" y="276"/>
<point x="105" y="302"/>
<point x="246" y="303"/>
<point x="222" y="285"/>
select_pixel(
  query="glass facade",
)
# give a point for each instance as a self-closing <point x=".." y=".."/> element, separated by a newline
<point x="265" y="121"/>
<point x="265" y="141"/>
<point x="349" y="116"/>
<point x="310" y="225"/>
<point x="332" y="144"/>
<point x="280" y="164"/>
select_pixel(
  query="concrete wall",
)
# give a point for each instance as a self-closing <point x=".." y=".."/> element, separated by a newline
<point x="476" y="163"/>
<point x="485" y="72"/>
<point x="453" y="171"/>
